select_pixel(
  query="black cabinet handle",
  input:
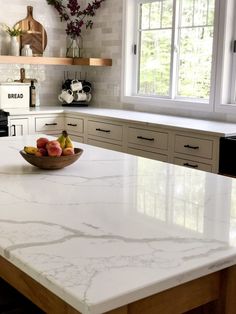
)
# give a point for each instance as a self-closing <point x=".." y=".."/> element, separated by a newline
<point x="190" y="166"/>
<point x="146" y="138"/>
<point x="71" y="124"/>
<point x="105" y="131"/>
<point x="49" y="124"/>
<point x="14" y="130"/>
<point x="191" y="147"/>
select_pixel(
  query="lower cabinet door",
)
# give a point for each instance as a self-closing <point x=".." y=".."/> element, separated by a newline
<point x="76" y="138"/>
<point x="151" y="155"/>
<point x="104" y="145"/>
<point x="193" y="164"/>
<point x="19" y="127"/>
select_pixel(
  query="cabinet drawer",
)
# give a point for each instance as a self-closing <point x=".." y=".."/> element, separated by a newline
<point x="104" y="145"/>
<point x="105" y="130"/>
<point x="49" y="124"/>
<point x="148" y="138"/>
<point x="74" y="125"/>
<point x="76" y="138"/>
<point x="143" y="153"/>
<point x="192" y="164"/>
<point x="193" y="146"/>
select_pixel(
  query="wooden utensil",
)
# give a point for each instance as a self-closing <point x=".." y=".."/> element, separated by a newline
<point x="34" y="33"/>
<point x="23" y="79"/>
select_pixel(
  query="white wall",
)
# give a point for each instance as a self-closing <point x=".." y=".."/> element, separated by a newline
<point x="104" y="40"/>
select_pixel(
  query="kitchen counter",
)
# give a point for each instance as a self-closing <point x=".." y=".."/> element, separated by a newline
<point x="113" y="228"/>
<point x="215" y="128"/>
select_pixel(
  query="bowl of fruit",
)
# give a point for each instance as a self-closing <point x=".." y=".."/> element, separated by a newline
<point x="52" y="154"/>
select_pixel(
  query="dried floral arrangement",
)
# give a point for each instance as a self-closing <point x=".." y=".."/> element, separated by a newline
<point x="75" y="17"/>
<point x="12" y="31"/>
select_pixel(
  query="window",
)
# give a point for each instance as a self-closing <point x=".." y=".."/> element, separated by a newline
<point x="175" y="48"/>
<point x="177" y="54"/>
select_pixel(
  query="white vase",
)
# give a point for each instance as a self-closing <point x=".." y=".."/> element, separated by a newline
<point x="14" y="46"/>
<point x="26" y="51"/>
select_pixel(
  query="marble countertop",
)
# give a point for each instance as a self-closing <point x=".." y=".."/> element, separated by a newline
<point x="215" y="128"/>
<point x="113" y="228"/>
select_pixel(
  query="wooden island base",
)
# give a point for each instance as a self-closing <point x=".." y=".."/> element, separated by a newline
<point x="211" y="294"/>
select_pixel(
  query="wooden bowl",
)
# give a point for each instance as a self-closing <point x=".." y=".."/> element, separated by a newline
<point x="52" y="163"/>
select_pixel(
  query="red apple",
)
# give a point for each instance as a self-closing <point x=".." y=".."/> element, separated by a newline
<point x="41" y="152"/>
<point x="52" y="143"/>
<point x="68" y="151"/>
<point x="54" y="150"/>
<point x="41" y="142"/>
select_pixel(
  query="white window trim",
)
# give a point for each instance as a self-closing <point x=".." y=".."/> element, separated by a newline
<point x="221" y="66"/>
<point x="224" y="78"/>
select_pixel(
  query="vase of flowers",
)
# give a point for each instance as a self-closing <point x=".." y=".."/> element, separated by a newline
<point x="74" y="46"/>
<point x="76" y="19"/>
<point x="14" y="33"/>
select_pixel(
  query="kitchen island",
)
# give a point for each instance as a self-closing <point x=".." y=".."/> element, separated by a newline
<point x="116" y="233"/>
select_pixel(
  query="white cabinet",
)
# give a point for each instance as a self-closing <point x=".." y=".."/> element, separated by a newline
<point x="195" y="150"/>
<point x="104" y="134"/>
<point x="105" y="130"/>
<point x="52" y="124"/>
<point x="190" y="148"/>
<point x="194" y="146"/>
<point x="194" y="164"/>
<point x="18" y="126"/>
<point x="147" y="154"/>
<point x="75" y="128"/>
<point x="148" y="143"/>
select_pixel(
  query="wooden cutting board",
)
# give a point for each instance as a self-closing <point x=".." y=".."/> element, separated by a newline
<point x="34" y="33"/>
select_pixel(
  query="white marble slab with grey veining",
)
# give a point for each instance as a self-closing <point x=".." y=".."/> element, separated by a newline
<point x="113" y="228"/>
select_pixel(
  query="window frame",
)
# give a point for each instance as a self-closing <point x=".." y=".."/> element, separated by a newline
<point x="217" y="91"/>
<point x="225" y="84"/>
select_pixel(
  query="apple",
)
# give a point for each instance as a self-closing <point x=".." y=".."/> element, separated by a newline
<point x="52" y="143"/>
<point x="68" y="151"/>
<point x="54" y="150"/>
<point x="41" y="142"/>
<point x="41" y="152"/>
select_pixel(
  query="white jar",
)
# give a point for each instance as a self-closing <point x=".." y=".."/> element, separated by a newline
<point x="26" y="51"/>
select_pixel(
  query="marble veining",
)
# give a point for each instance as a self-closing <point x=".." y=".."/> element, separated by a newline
<point x="113" y="228"/>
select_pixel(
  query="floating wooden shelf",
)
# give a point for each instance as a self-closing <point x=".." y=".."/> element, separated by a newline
<point x="56" y="61"/>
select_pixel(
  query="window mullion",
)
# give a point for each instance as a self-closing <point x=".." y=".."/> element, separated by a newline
<point x="136" y="56"/>
<point x="174" y="50"/>
<point x="233" y="80"/>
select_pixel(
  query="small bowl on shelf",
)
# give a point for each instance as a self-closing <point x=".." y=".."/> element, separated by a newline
<point x="52" y="163"/>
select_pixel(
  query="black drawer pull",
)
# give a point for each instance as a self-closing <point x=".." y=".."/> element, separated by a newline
<point x="191" y="147"/>
<point x="146" y="138"/>
<point x="190" y="166"/>
<point x="71" y="124"/>
<point x="105" y="131"/>
<point x="14" y="130"/>
<point x="50" y="124"/>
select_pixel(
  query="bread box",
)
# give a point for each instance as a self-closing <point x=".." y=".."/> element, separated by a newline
<point x="14" y="95"/>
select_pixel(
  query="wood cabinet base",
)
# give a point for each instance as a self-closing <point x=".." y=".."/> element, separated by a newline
<point x="213" y="294"/>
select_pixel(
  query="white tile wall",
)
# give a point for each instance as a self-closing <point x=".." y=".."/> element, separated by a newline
<point x="104" y="40"/>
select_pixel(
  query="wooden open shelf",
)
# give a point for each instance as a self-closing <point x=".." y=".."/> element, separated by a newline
<point x="55" y="61"/>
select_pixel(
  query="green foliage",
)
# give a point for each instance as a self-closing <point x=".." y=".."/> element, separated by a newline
<point x="194" y="59"/>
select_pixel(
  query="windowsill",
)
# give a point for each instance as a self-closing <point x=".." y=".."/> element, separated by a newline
<point x="141" y="102"/>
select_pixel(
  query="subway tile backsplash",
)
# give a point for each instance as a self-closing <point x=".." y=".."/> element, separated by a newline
<point x="103" y="40"/>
